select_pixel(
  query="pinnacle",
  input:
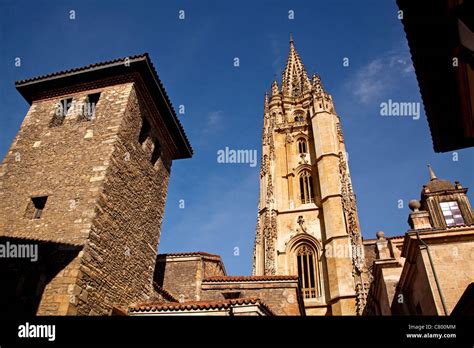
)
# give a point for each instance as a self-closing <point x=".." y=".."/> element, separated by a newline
<point x="432" y="173"/>
<point x="295" y="79"/>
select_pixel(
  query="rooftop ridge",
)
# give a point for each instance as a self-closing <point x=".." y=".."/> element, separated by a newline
<point x="196" y="305"/>
<point x="190" y="253"/>
<point x="249" y="278"/>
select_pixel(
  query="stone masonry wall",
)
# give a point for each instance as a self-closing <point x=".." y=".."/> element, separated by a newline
<point x="66" y="163"/>
<point x="62" y="162"/>
<point x="182" y="276"/>
<point x="281" y="298"/>
<point x="119" y="258"/>
<point x="454" y="265"/>
<point x="104" y="196"/>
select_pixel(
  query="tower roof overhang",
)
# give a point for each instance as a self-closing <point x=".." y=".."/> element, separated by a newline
<point x="33" y="88"/>
<point x="434" y="38"/>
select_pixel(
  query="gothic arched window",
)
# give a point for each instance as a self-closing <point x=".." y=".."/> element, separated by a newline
<point x="299" y="118"/>
<point x="306" y="260"/>
<point x="306" y="188"/>
<point x="302" y="148"/>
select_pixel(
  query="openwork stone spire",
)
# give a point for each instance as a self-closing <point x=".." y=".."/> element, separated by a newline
<point x="295" y="80"/>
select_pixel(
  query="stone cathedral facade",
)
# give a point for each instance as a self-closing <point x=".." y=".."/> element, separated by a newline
<point x="307" y="217"/>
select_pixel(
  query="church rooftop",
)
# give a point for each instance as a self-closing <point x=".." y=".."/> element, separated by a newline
<point x="197" y="305"/>
<point x="191" y="253"/>
<point x="438" y="185"/>
<point x="250" y="278"/>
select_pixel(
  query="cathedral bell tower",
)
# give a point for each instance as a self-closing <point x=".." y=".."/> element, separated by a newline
<point x="307" y="219"/>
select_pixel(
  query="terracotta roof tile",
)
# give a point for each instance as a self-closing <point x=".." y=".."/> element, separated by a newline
<point x="195" y="305"/>
<point x="166" y="294"/>
<point x="395" y="237"/>
<point x="249" y="278"/>
<point x="80" y="69"/>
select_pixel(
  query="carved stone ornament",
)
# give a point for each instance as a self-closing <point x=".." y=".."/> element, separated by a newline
<point x="300" y="222"/>
<point x="350" y="211"/>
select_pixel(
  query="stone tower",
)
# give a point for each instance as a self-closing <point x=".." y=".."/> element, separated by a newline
<point x="85" y="180"/>
<point x="307" y="218"/>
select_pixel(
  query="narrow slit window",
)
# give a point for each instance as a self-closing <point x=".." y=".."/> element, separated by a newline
<point x="90" y="106"/>
<point x="144" y="131"/>
<point x="306" y="188"/>
<point x="61" y="111"/>
<point x="302" y="146"/>
<point x="36" y="206"/>
<point x="155" y="155"/>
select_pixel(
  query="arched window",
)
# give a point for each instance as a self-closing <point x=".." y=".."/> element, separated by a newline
<point x="308" y="271"/>
<point x="306" y="188"/>
<point x="299" y="118"/>
<point x="302" y="148"/>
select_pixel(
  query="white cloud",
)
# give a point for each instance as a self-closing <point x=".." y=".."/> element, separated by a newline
<point x="379" y="76"/>
<point x="214" y="118"/>
<point x="278" y="60"/>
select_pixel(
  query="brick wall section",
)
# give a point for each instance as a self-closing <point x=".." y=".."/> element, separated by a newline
<point x="185" y="277"/>
<point x="182" y="276"/>
<point x="280" y="296"/>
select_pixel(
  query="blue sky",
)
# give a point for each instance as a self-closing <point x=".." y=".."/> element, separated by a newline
<point x="223" y="104"/>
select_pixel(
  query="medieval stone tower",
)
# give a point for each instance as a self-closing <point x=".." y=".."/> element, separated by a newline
<point x="86" y="180"/>
<point x="307" y="218"/>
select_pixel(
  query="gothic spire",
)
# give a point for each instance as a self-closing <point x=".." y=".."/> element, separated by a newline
<point x="294" y="79"/>
<point x="266" y="102"/>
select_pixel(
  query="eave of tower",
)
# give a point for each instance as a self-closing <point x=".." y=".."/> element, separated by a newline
<point x="36" y="87"/>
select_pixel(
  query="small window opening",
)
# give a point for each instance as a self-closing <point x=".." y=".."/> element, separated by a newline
<point x="231" y="295"/>
<point x="302" y="146"/>
<point x="90" y="106"/>
<point x="144" y="132"/>
<point x="36" y="207"/>
<point x="61" y="111"/>
<point x="155" y="155"/>
<point x="299" y="118"/>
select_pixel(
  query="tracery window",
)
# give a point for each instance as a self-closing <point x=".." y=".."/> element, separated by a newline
<point x="306" y="188"/>
<point x="299" y="118"/>
<point x="302" y="147"/>
<point x="307" y="271"/>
